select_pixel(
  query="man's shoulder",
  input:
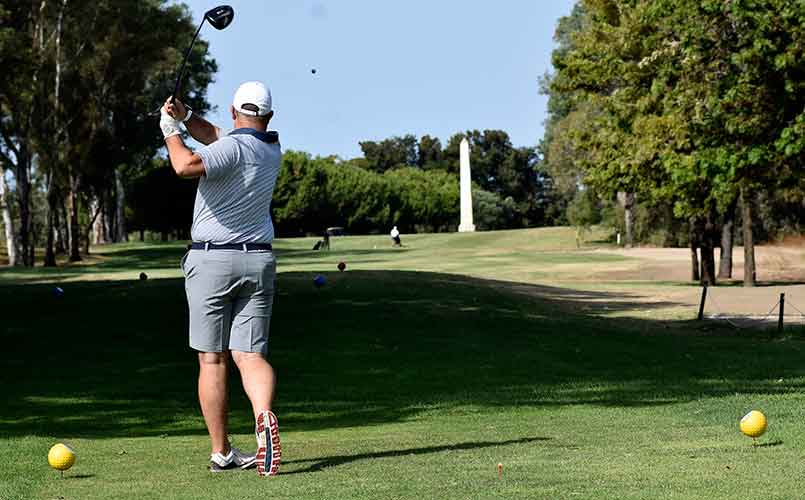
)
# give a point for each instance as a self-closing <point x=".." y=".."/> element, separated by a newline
<point x="222" y="143"/>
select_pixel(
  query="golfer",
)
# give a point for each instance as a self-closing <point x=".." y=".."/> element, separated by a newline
<point x="229" y="270"/>
<point x="395" y="237"/>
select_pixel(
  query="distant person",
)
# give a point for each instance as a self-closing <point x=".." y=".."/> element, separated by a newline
<point x="395" y="237"/>
<point x="230" y="268"/>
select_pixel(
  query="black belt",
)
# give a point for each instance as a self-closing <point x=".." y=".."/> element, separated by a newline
<point x="246" y="247"/>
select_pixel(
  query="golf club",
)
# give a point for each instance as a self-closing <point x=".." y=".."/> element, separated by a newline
<point x="219" y="18"/>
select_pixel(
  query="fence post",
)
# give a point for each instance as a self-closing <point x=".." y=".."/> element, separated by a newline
<point x="701" y="305"/>
<point x="782" y="313"/>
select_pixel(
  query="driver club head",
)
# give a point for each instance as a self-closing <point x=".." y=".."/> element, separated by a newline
<point x="220" y="17"/>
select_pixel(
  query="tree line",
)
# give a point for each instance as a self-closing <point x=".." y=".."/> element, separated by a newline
<point x="80" y="80"/>
<point x="80" y="155"/>
<point x="686" y="114"/>
<point x="404" y="181"/>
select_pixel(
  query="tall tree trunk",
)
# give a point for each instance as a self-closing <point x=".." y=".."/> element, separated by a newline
<point x="628" y="202"/>
<point x="85" y="242"/>
<point x="32" y="244"/>
<point x="727" y="239"/>
<point x="22" y="178"/>
<point x="694" y="257"/>
<point x="75" y="231"/>
<point x="61" y="229"/>
<point x="95" y="210"/>
<point x="748" y="237"/>
<point x="708" y="274"/>
<point x="50" y="256"/>
<point x="99" y="226"/>
<point x="109" y="224"/>
<point x="52" y="206"/>
<point x="120" y="206"/>
<point x="8" y="222"/>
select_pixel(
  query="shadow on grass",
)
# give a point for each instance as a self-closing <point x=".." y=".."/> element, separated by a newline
<point x="326" y="462"/>
<point x="110" y="358"/>
<point x="768" y="445"/>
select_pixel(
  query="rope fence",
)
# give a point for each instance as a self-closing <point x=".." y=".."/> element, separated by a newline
<point x="777" y="314"/>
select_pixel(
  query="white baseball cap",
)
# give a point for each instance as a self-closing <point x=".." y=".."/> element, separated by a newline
<point x="256" y="94"/>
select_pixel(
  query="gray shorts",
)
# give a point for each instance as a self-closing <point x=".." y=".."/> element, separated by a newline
<point x="230" y="294"/>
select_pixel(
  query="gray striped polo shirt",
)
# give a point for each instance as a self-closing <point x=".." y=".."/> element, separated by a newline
<point x="233" y="201"/>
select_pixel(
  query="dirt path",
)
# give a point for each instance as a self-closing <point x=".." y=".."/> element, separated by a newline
<point x="652" y="283"/>
<point x="781" y="269"/>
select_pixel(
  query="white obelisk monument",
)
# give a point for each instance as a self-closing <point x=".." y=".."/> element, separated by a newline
<point x="466" y="225"/>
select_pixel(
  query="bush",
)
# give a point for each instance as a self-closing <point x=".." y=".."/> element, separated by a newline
<point x="315" y="193"/>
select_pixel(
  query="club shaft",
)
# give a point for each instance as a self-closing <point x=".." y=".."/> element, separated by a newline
<point x="178" y="85"/>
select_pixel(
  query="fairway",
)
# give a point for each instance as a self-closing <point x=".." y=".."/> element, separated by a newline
<point x="410" y="375"/>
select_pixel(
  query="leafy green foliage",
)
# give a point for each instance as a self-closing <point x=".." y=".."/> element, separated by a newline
<point x="315" y="193"/>
<point x="583" y="211"/>
<point x="684" y="100"/>
<point x="160" y="201"/>
<point x="490" y="211"/>
<point x="391" y="153"/>
<point x="74" y="111"/>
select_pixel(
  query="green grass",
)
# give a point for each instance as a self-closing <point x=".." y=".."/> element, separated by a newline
<point x="411" y="375"/>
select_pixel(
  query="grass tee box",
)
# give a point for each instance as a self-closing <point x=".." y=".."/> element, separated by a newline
<point x="396" y="380"/>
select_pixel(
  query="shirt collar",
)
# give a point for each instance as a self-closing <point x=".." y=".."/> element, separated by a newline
<point x="270" y="137"/>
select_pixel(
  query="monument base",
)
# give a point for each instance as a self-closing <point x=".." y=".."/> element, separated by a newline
<point x="466" y="228"/>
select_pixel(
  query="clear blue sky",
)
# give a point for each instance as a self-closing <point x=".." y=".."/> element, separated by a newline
<point x="387" y="67"/>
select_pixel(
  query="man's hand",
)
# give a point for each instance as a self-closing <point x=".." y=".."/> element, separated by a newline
<point x="167" y="122"/>
<point x="176" y="109"/>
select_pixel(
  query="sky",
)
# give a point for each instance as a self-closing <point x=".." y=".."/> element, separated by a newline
<point x="386" y="67"/>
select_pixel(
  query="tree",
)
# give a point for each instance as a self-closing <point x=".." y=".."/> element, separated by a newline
<point x="560" y="159"/>
<point x="21" y="37"/>
<point x="314" y="193"/>
<point x="8" y="221"/>
<point x="429" y="153"/>
<point x="162" y="202"/>
<point x="491" y="212"/>
<point x="488" y="151"/>
<point x="391" y="153"/>
<point x="74" y="109"/>
<point x="692" y="103"/>
<point x="583" y="212"/>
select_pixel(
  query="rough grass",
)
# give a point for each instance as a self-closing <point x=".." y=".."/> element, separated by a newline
<point x="411" y="375"/>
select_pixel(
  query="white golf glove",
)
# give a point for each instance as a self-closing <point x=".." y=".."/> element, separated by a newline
<point x="168" y="124"/>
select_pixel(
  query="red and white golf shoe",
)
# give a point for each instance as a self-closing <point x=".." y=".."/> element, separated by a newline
<point x="269" y="451"/>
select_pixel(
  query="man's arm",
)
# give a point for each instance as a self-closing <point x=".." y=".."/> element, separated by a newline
<point x="184" y="162"/>
<point x="202" y="130"/>
<point x="198" y="128"/>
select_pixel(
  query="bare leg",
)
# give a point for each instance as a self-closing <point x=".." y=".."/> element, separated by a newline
<point x="258" y="379"/>
<point x="213" y="396"/>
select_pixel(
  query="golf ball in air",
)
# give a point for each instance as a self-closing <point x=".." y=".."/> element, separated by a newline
<point x="58" y="291"/>
<point x="319" y="281"/>
<point x="61" y="457"/>
<point x="754" y="424"/>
